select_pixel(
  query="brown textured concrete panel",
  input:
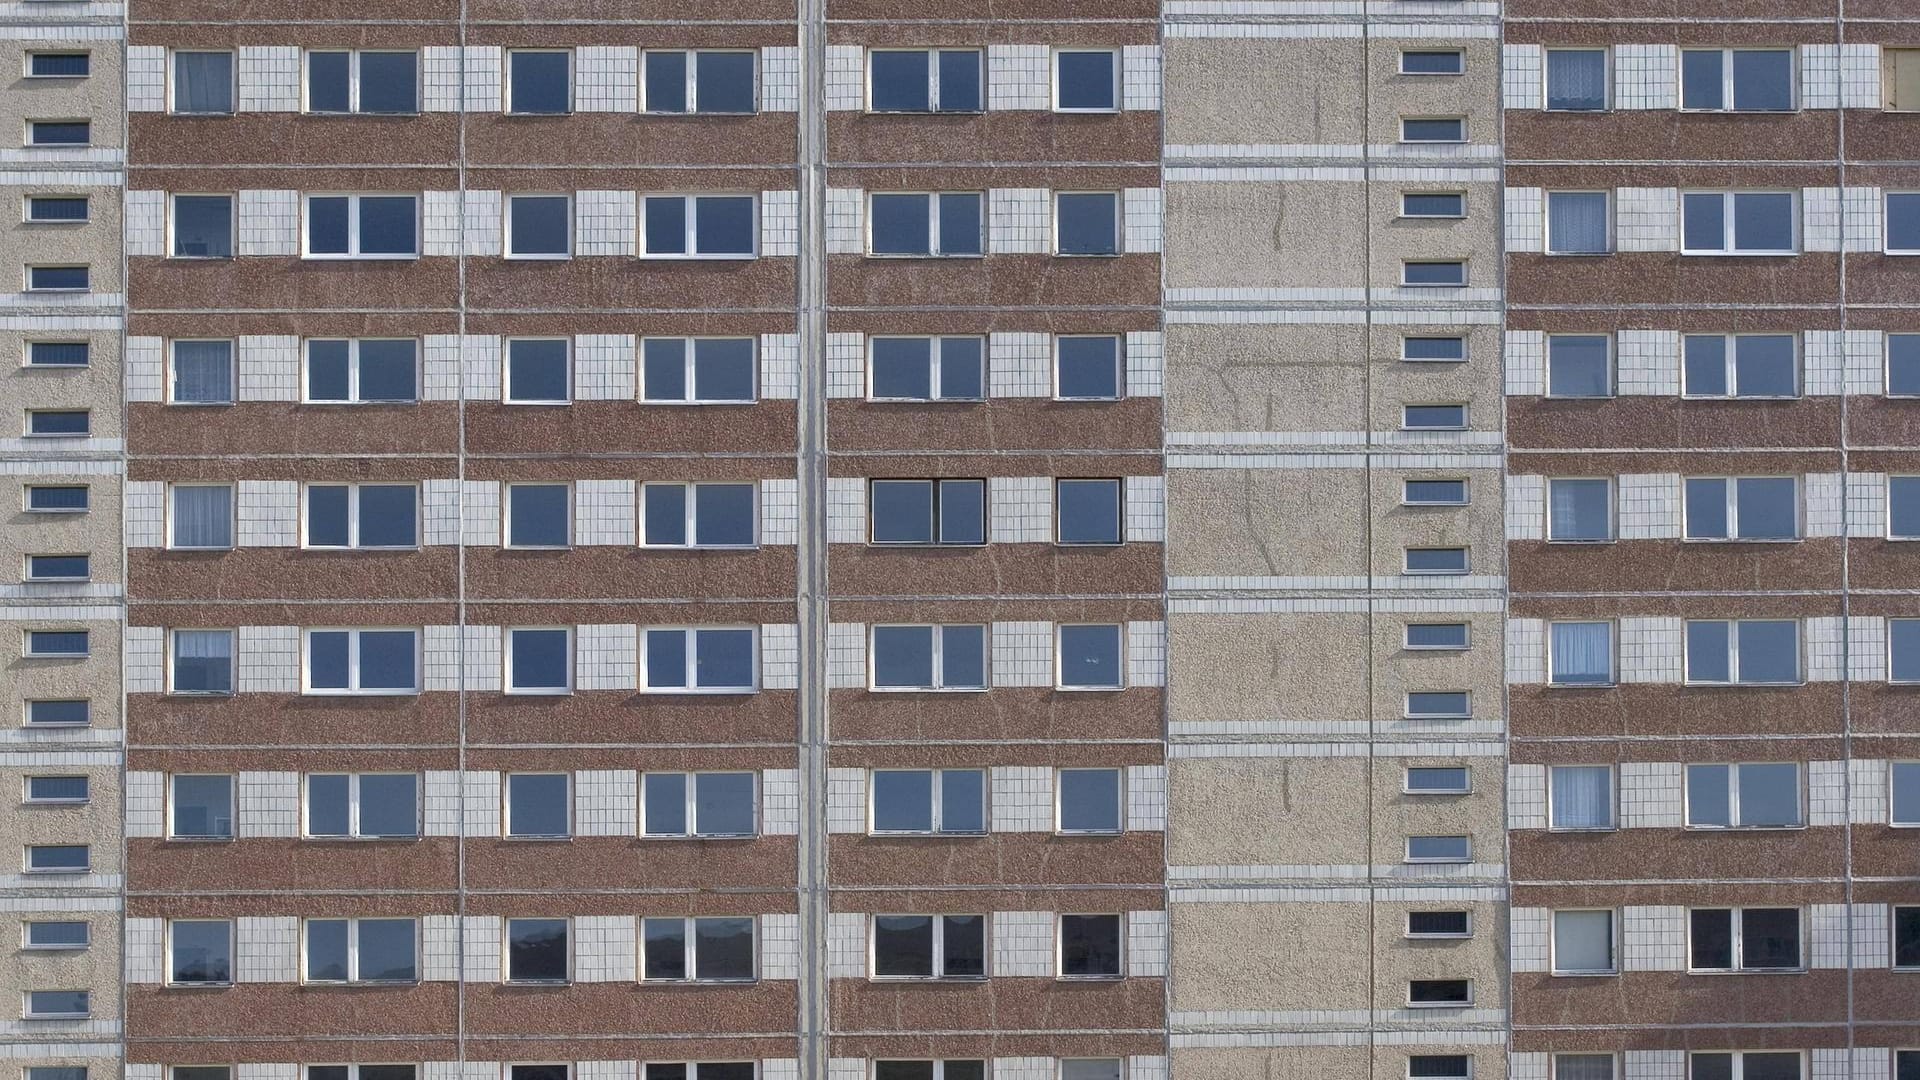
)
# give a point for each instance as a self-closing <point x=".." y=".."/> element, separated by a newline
<point x="268" y="863"/>
<point x="323" y="32"/>
<point x="211" y="613"/>
<point x="995" y="424"/>
<point x="288" y="1009"/>
<point x="1883" y="564"/>
<point x="995" y="281"/>
<point x="617" y="282"/>
<point x="348" y="11"/>
<point x="1667" y="135"/>
<point x="960" y="755"/>
<point x="1885" y="996"/>
<point x="996" y="1044"/>
<point x="1690" y="461"/>
<point x="1030" y="859"/>
<point x="629" y="1008"/>
<point x="292" y="574"/>
<point x="1877" y="421"/>
<point x="1011" y="136"/>
<point x="936" y="899"/>
<point x="1874" y="278"/>
<point x="1019" y="1004"/>
<point x="395" y="284"/>
<point x="1666" y="997"/>
<point x="1880" y="707"/>
<point x="612" y="862"/>
<point x="1630" y="854"/>
<point x="671" y="758"/>
<point x="1873" y="135"/>
<point x="173" y="467"/>
<point x="537" y="900"/>
<point x="692" y="612"/>
<point x="637" y="139"/>
<point x="962" y="464"/>
<point x="280" y="139"/>
<point x="628" y="1046"/>
<point x="614" y="427"/>
<point x="1019" y="22"/>
<point x="1652" y="22"/>
<point x="1662" y="422"/>
<point x="1645" y="709"/>
<point x="1760" y="606"/>
<point x="908" y="11"/>
<point x="998" y="609"/>
<point x="187" y="324"/>
<point x="1577" y="1038"/>
<point x="243" y="902"/>
<point x="170" y="1049"/>
<point x="996" y="569"/>
<point x="1747" y="891"/>
<point x="1636" y="565"/>
<point x="546" y="11"/>
<point x="254" y="719"/>
<point x="1009" y="713"/>
<point x="731" y="34"/>
<point x="258" y="428"/>
<point x="1882" y="851"/>
<point x="621" y="716"/>
<point x="592" y="573"/>
<point x="1668" y="278"/>
<point x="1694" y="748"/>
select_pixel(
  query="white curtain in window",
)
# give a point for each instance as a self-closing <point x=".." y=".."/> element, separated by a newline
<point x="203" y="371"/>
<point x="202" y="517"/>
<point x="1582" y="796"/>
<point x="1576" y="221"/>
<point x="1577" y="79"/>
<point x="202" y="82"/>
<point x="1582" y="652"/>
<point x="1583" y="1066"/>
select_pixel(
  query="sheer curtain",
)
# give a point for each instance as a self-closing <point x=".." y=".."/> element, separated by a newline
<point x="1577" y="79"/>
<point x="1576" y="222"/>
<point x="203" y="82"/>
<point x="203" y="660"/>
<point x="203" y="371"/>
<point x="202" y="517"/>
<point x="1582" y="652"/>
<point x="1582" y="797"/>
<point x="1583" y="1067"/>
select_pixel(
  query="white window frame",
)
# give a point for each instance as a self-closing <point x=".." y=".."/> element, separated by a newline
<point x="693" y="659"/>
<point x="1407" y="712"/>
<point x="353" y="951"/>
<point x="1423" y="860"/>
<point x="933" y="226"/>
<point x="506" y="957"/>
<point x="1465" y="1003"/>
<point x="692" y="76"/>
<point x="690" y="785"/>
<point x="233" y="229"/>
<point x="1119" y="798"/>
<point x="935" y="790"/>
<point x="353" y="516"/>
<point x="1887" y="493"/>
<point x="1407" y="788"/>
<point x="87" y="575"/>
<point x="1466" y="490"/>
<point x="1887" y="210"/>
<point x="506" y="370"/>
<point x="1119" y="218"/>
<point x="933" y="86"/>
<point x="1731" y="490"/>
<point x="1120" y="631"/>
<point x="506" y="80"/>
<point x="690" y="514"/>
<point x="1466" y="131"/>
<point x="233" y="956"/>
<point x="506" y="515"/>
<point x="26" y="934"/>
<point x="1886" y="358"/>
<point x="353" y="373"/>
<point x="353" y="253"/>
<point x="27" y="71"/>
<point x="1053" y="78"/>
<point x="1733" y="768"/>
<point x="939" y="666"/>
<point x="1119" y="364"/>
<point x="506" y="659"/>
<point x="1613" y="513"/>
<point x="1060" y="948"/>
<point x="353" y="689"/>
<point x="1608" y="246"/>
<point x="1401" y="66"/>
<point x="354" y="832"/>
<point x="689" y="368"/>
<point x="1736" y="924"/>
<point x="1727" y="223"/>
<point x="27" y="650"/>
<point x="1408" y="932"/>
<point x="233" y="81"/>
<point x="1613" y="800"/>
<point x="27" y="1011"/>
<point x="173" y="800"/>
<point x="233" y="660"/>
<point x="30" y="799"/>
<point x="1739" y="1060"/>
<point x="1613" y="654"/>
<point x="1733" y="653"/>
<point x="1466" y="566"/>
<point x="1730" y="347"/>
<point x="353" y="81"/>
<point x="506" y="230"/>
<point x="1726" y="79"/>
<point x="506" y="808"/>
<point x="1890" y="657"/>
<point x="1613" y="367"/>
<point x="938" y="954"/>
<point x="1606" y="91"/>
<point x="936" y="347"/>
<point x="691" y="200"/>
<point x="691" y="955"/>
<point x="1466" y="274"/>
<point x="1450" y="192"/>
<point x="28" y="286"/>
<point x="1466" y="1059"/>
<point x="1407" y="644"/>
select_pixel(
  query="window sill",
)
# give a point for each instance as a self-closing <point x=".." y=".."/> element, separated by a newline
<point x="915" y="979"/>
<point x="1743" y="685"/>
<point x="688" y="837"/>
<point x="927" y="689"/>
<point x="1096" y="833"/>
<point x="1743" y="828"/>
<point x="200" y="693"/>
<point x="360" y="839"/>
<point x="1584" y="974"/>
<point x="1597" y="542"/>
<point x="512" y="257"/>
<point x="900" y="834"/>
<point x="1607" y="685"/>
<point x="1088" y="689"/>
<point x="200" y="839"/>
<point x="1115" y="977"/>
<point x="394" y="401"/>
<point x="1589" y="830"/>
<point x="1747" y="971"/>
<point x="200" y="985"/>
<point x="1088" y="254"/>
<point x="359" y="693"/>
<point x="720" y="257"/>
<point x="1738" y="254"/>
<point x="896" y="255"/>
<point x="538" y="984"/>
<point x="681" y="691"/>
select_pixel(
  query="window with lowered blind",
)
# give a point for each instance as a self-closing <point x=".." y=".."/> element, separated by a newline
<point x="1902" y="77"/>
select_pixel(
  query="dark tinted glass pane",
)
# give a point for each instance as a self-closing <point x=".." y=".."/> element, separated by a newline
<point x="1577" y="366"/>
<point x="723" y="948"/>
<point x="1711" y="935"/>
<point x="54" y="208"/>
<point x="66" y="65"/>
<point x="903" y="800"/>
<point x="902" y="511"/>
<point x="388" y="83"/>
<point x="540" y="660"/>
<point x="1088" y="512"/>
<point x="903" y="1070"/>
<point x="1702" y="79"/>
<point x="963" y="512"/>
<point x="57" y="277"/>
<point x="903" y="945"/>
<point x="389" y="805"/>
<point x="1086" y="224"/>
<point x="723" y="225"/>
<point x="666" y="225"/>
<point x="1906" y="938"/>
<point x="59" y="132"/>
<point x="329" y="659"/>
<point x="327" y="950"/>
<point x="1762" y="221"/>
<point x="903" y="368"/>
<point x="1089" y="367"/>
<point x="328" y="377"/>
<point x="56" y="497"/>
<point x="537" y="370"/>
<point x="1422" y="204"/>
<point x="900" y="224"/>
<point x="1090" y="656"/>
<point x="723" y="514"/>
<point x="723" y="804"/>
<point x="1086" y="80"/>
<point x="327" y="807"/>
<point x="1436" y="273"/>
<point x="899" y="81"/>
<point x="1437" y="922"/>
<point x="962" y="372"/>
<point x="1436" y="130"/>
<point x="386" y="951"/>
<point x="1763" y="80"/>
<point x="387" y="659"/>
<point x="665" y="369"/>
<point x="387" y="225"/>
<point x="1770" y="1066"/>
<point x="960" y="224"/>
<point x="57" y="712"/>
<point x="387" y="516"/>
<point x="1769" y="937"/>
<point x="328" y="82"/>
<point x="965" y="939"/>
<point x="538" y="82"/>
<point x="666" y="659"/>
<point x="666" y="804"/>
<point x="724" y="82"/>
<point x="1090" y="944"/>
<point x="327" y="515"/>
<point x="537" y="949"/>
<point x="44" y="567"/>
<point x="1703" y="225"/>
<point x="1763" y="366"/>
<point x="1434" y="416"/>
<point x="1090" y="800"/>
<point x="723" y="659"/>
<point x="1432" y="62"/>
<point x="723" y="369"/>
<point x="903" y="656"/>
<point x="667" y="82"/>
<point x="538" y="517"/>
<point x="959" y="90"/>
<point x="666" y="514"/>
<point x="541" y="225"/>
<point x="963" y="803"/>
<point x="203" y="806"/>
<point x="1434" y="348"/>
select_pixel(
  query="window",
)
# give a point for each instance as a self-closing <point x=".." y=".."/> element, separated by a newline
<point x="1435" y="129"/>
<point x="56" y="643"/>
<point x="1439" y="705"/>
<point x="363" y="662"/>
<point x="1437" y="780"/>
<point x="1088" y="658"/>
<point x="362" y="227"/>
<point x="57" y="279"/>
<point x="203" y="661"/>
<point x="58" y="423"/>
<point x="537" y="950"/>
<point x="59" y="133"/>
<point x="538" y="372"/>
<point x="200" y="952"/>
<point x="1902" y="80"/>
<point x="1737" y="223"/>
<point x="1753" y="795"/>
<point x="1087" y="367"/>
<point x="1090" y="1069"/>
<point x="56" y="1005"/>
<point x="1903" y="507"/>
<point x="1579" y="510"/>
<point x="1903" y="362"/>
<point x="1903" y="650"/>
<point x="57" y="713"/>
<point x="59" y="65"/>
<point x="1742" y="508"/>
<point x="1439" y="924"/>
<point x="57" y="859"/>
<point x="946" y="223"/>
<point x="1757" y="651"/>
<point x="1741" y="365"/>
<point x="705" y="1070"/>
<point x="929" y="658"/>
<point x="1086" y="511"/>
<point x="53" y="935"/>
<point x="1086" y="80"/>
<point x="362" y="370"/>
<point x="1577" y="223"/>
<point x="539" y="661"/>
<point x="64" y="209"/>
<point x="709" y="515"/>
<point x="1438" y="849"/>
<point x="1903" y="223"/>
<point x="539" y="82"/>
<point x="1577" y="80"/>
<point x="539" y="805"/>
<point x="201" y="807"/>
<point x="200" y="516"/>
<point x="698" y="226"/>
<point x="938" y="1070"/>
<point x="1436" y="635"/>
<point x="203" y="83"/>
<point x="58" y="568"/>
<point x="1439" y="1067"/>
<point x="1448" y="560"/>
<point x="698" y="950"/>
<point x="1433" y="273"/>
<point x="704" y="660"/>
<point x="929" y="947"/>
<point x="1444" y="349"/>
<point x="1906" y="949"/>
<point x="200" y="1072"/>
<point x="57" y="789"/>
<point x="202" y="373"/>
<point x="1579" y="365"/>
<point x="1433" y="204"/>
<point x="716" y="804"/>
<point x="1739" y="80"/>
<point x="700" y="82"/>
<point x="1743" y="939"/>
<point x="1086" y="223"/>
<point x="202" y="227"/>
<point x="697" y="370"/>
<point x="1749" y="1065"/>
<point x="362" y="951"/>
<point x="57" y="354"/>
<point x="363" y="516"/>
<point x="1580" y="654"/>
<point x="1580" y="797"/>
<point x="539" y="227"/>
<point x="1432" y="62"/>
<point x="926" y="369"/>
<point x="382" y="1072"/>
<point x="1582" y="1066"/>
<point x="924" y="80"/>
<point x="375" y="83"/>
<point x="939" y="512"/>
<point x="951" y="801"/>
<point x="1090" y="947"/>
<point x="1089" y="800"/>
<point x="538" y="516"/>
<point x="1439" y="993"/>
<point x="57" y="498"/>
<point x="1434" y="493"/>
<point x="363" y="806"/>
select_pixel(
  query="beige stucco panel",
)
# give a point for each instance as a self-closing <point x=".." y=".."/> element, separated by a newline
<point x="1474" y="95"/>
<point x="95" y="822"/>
<point x="1262" y="811"/>
<point x="95" y="677"/>
<point x="96" y="967"/>
<point x="1268" y="956"/>
<point x="1266" y="522"/>
<point x="95" y="533"/>
<point x="1267" y="667"/>
<point x="1476" y="669"/>
<point x="1263" y="90"/>
<point x="1255" y="377"/>
<point x="98" y="97"/>
<point x="1265" y="234"/>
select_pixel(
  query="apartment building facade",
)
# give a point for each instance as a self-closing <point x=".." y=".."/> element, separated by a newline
<point x="1051" y="541"/>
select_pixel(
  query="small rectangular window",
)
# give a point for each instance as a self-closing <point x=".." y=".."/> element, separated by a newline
<point x="1445" y="349"/>
<point x="1433" y="493"/>
<point x="538" y="951"/>
<point x="1580" y="653"/>
<point x="1439" y="993"/>
<point x="375" y="662"/>
<point x="926" y="369"/>
<point x="1433" y="417"/>
<point x="59" y="65"/>
<point x="1086" y="223"/>
<point x="362" y="226"/>
<point x="1086" y="80"/>
<point x="714" y="804"/>
<point x="699" y="660"/>
<point x="951" y="801"/>
<point x="698" y="371"/>
<point x="699" y="227"/>
<point x="58" y="354"/>
<point x="1753" y="795"/>
<point x="57" y="859"/>
<point x="1088" y="657"/>
<point x="1741" y="365"/>
<point x="1432" y="62"/>
<point x="200" y="516"/>
<point x="1576" y="80"/>
<point x="52" y="713"/>
<point x="1750" y="508"/>
<point x="1578" y="223"/>
<point x="59" y="133"/>
<point x="1749" y="651"/>
<point x="1090" y="947"/>
<point x="58" y="568"/>
<point x="1439" y="924"/>
<point x="200" y="807"/>
<point x="1738" y="223"/>
<point x="1087" y="512"/>
<point x="58" y="279"/>
<point x="1579" y="510"/>
<point x="57" y="1005"/>
<point x="704" y="81"/>
<point x="1580" y="797"/>
<point x="538" y="516"/>
<point x="58" y="498"/>
<point x="1433" y="273"/>
<point x="202" y="83"/>
<point x="1579" y="365"/>
<point x="202" y="227"/>
<point x="929" y="947"/>
<point x="1433" y="129"/>
<point x="539" y="227"/>
<point x="1436" y="560"/>
<point x="1439" y="705"/>
<point x="928" y="512"/>
<point x="62" y="209"/>
<point x="924" y="80"/>
<point x="202" y="662"/>
<point x="697" y="950"/>
<point x="1088" y="801"/>
<point x="1436" y="635"/>
<point x="1433" y="204"/>
<point x="1743" y="939"/>
<point x="57" y="934"/>
<point x="59" y="423"/>
<point x="202" y="373"/>
<point x="363" y="806"/>
<point x="1438" y="780"/>
<point x="539" y="661"/>
<point x="1737" y="80"/>
<point x="539" y="371"/>
<point x="57" y="789"/>
<point x="925" y="224"/>
<point x="57" y="643"/>
<point x="1438" y="849"/>
<point x="929" y="657"/>
<point x="539" y="82"/>
<point x="1439" y="1067"/>
<point x="704" y="515"/>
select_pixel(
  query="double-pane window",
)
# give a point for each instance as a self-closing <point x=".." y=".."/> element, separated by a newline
<point x="697" y="370"/>
<point x="1742" y="508"/>
<point x="1743" y="939"/>
<point x="365" y="806"/>
<point x="1737" y="80"/>
<point x="1738" y="223"/>
<point x="1740" y="365"/>
<point x="1749" y="795"/>
<point x="926" y="369"/>
<point x="697" y="950"/>
<point x="704" y="81"/>
<point x="713" y="804"/>
<point x="944" y="223"/>
<point x="362" y="81"/>
<point x="924" y="80"/>
<point x="362" y="951"/>
<point x="362" y="370"/>
<point x="363" y="516"/>
<point x="700" y="660"/>
<point x="929" y="657"/>
<point x="362" y="226"/>
<point x="363" y="661"/>
<point x="942" y="801"/>
<point x="698" y="226"/>
<point x="1750" y="651"/>
<point x="539" y="226"/>
<point x="936" y="512"/>
<point x="929" y="946"/>
<point x="710" y="515"/>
